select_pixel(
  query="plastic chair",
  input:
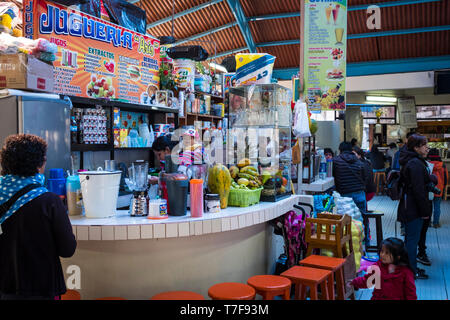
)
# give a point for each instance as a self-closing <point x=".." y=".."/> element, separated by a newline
<point x="336" y="266"/>
<point x="111" y="298"/>
<point x="231" y="291"/>
<point x="304" y="277"/>
<point x="177" y="295"/>
<point x="270" y="286"/>
<point x="71" y="295"/>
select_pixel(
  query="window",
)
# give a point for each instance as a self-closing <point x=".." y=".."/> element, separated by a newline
<point x="433" y="112"/>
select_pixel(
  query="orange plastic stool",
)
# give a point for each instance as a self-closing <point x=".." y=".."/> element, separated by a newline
<point x="71" y="295"/>
<point x="304" y="277"/>
<point x="335" y="265"/>
<point x="231" y="291"/>
<point x="269" y="286"/>
<point x="111" y="298"/>
<point x="178" y="295"/>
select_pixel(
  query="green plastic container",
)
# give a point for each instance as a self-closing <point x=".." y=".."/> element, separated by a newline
<point x="243" y="197"/>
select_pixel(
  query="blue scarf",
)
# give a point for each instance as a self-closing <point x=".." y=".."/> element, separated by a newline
<point x="10" y="185"/>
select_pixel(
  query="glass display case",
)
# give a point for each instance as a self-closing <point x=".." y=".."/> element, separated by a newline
<point x="260" y="126"/>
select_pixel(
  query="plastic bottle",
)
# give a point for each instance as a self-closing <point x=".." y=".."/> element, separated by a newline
<point x="323" y="168"/>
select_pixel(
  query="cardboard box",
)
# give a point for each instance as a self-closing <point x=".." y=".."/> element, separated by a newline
<point x="22" y="71"/>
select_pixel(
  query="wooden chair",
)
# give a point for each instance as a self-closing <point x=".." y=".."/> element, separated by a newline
<point x="333" y="232"/>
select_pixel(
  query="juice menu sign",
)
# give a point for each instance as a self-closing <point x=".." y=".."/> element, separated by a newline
<point x="325" y="49"/>
<point x="95" y="59"/>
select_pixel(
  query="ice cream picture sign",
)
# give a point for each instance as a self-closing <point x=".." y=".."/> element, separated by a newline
<point x="95" y="59"/>
<point x="324" y="54"/>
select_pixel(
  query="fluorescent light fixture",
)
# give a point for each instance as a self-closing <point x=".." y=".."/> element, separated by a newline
<point x="218" y="67"/>
<point x="381" y="99"/>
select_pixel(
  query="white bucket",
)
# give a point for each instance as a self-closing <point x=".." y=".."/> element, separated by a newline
<point x="185" y="72"/>
<point x="100" y="190"/>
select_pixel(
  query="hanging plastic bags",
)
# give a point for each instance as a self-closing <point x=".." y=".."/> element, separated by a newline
<point x="301" y="122"/>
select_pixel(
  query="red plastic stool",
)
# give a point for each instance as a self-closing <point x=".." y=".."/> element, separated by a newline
<point x="178" y="295"/>
<point x="269" y="286"/>
<point x="231" y="291"/>
<point x="335" y="265"/>
<point x="71" y="295"/>
<point x="304" y="277"/>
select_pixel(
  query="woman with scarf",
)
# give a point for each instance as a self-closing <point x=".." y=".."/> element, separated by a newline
<point x="35" y="230"/>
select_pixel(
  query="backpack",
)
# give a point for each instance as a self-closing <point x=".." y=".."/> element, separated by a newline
<point x="394" y="185"/>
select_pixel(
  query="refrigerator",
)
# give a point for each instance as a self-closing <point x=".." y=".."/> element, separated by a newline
<point x="42" y="114"/>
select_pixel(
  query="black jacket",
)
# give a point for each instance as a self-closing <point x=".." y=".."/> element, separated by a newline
<point x="33" y="239"/>
<point x="415" y="176"/>
<point x="348" y="173"/>
<point x="368" y="173"/>
<point x="377" y="160"/>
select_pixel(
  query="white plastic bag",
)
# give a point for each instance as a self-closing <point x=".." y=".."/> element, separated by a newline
<point x="301" y="122"/>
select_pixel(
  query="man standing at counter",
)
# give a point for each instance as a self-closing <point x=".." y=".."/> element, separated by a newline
<point x="35" y="229"/>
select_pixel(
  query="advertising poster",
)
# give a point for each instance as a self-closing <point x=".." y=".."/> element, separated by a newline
<point x="229" y="81"/>
<point x="407" y="116"/>
<point x="95" y="58"/>
<point x="324" y="50"/>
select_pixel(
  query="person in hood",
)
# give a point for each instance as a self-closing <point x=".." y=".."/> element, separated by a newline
<point x="368" y="173"/>
<point x="35" y="230"/>
<point x="377" y="158"/>
<point x="350" y="179"/>
<point x="395" y="277"/>
<point x="440" y="171"/>
<point x="415" y="208"/>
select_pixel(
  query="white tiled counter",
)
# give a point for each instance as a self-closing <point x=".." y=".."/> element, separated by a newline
<point x="136" y="258"/>
<point x="124" y="227"/>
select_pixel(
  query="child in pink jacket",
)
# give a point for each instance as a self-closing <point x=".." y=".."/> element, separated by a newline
<point x="391" y="274"/>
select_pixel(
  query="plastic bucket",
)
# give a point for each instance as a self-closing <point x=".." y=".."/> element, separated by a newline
<point x="100" y="190"/>
<point x="177" y="197"/>
<point x="57" y="186"/>
<point x="185" y="72"/>
<point x="254" y="68"/>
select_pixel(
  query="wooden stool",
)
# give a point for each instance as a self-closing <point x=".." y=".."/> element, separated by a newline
<point x="270" y="286"/>
<point x="111" y="298"/>
<point x="304" y="277"/>
<point x="379" y="226"/>
<point x="335" y="265"/>
<point x="379" y="178"/>
<point x="71" y="295"/>
<point x="178" y="295"/>
<point x="231" y="291"/>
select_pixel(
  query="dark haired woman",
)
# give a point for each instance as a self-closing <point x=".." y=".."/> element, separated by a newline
<point x="393" y="277"/>
<point x="162" y="147"/>
<point x="35" y="229"/>
<point x="415" y="208"/>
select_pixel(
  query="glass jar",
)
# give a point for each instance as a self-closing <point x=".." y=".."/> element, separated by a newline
<point x="212" y="203"/>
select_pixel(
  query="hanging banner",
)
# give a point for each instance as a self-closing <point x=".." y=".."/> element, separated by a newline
<point x="95" y="59"/>
<point x="324" y="39"/>
<point x="407" y="116"/>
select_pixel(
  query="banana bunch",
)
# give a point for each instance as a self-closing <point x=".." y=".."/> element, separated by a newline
<point x="246" y="177"/>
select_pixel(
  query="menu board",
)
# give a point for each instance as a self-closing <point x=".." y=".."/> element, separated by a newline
<point x="407" y="112"/>
<point x="95" y="58"/>
<point x="324" y="54"/>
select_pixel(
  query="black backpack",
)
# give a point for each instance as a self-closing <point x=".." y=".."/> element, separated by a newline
<point x="394" y="185"/>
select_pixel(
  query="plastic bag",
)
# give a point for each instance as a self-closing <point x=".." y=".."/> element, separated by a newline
<point x="9" y="17"/>
<point x="301" y="122"/>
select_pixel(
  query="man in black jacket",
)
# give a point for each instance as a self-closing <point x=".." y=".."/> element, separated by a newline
<point x="349" y="179"/>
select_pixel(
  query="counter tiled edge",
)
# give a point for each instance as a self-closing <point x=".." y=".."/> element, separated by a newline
<point x="184" y="228"/>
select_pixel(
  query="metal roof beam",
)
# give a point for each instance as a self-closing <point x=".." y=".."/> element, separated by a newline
<point x="381" y="67"/>
<point x="275" y="16"/>
<point x="183" y="13"/>
<point x="389" y="4"/>
<point x="398" y="32"/>
<point x="225" y="53"/>
<point x="241" y="19"/>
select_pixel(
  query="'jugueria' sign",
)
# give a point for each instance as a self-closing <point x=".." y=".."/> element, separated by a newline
<point x="95" y="59"/>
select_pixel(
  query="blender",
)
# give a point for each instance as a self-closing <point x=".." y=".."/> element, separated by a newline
<point x="138" y="183"/>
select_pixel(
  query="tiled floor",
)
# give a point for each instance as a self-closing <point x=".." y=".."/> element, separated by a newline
<point x="437" y="287"/>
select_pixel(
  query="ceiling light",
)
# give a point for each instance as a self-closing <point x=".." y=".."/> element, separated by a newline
<point x="381" y="99"/>
<point x="218" y="67"/>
